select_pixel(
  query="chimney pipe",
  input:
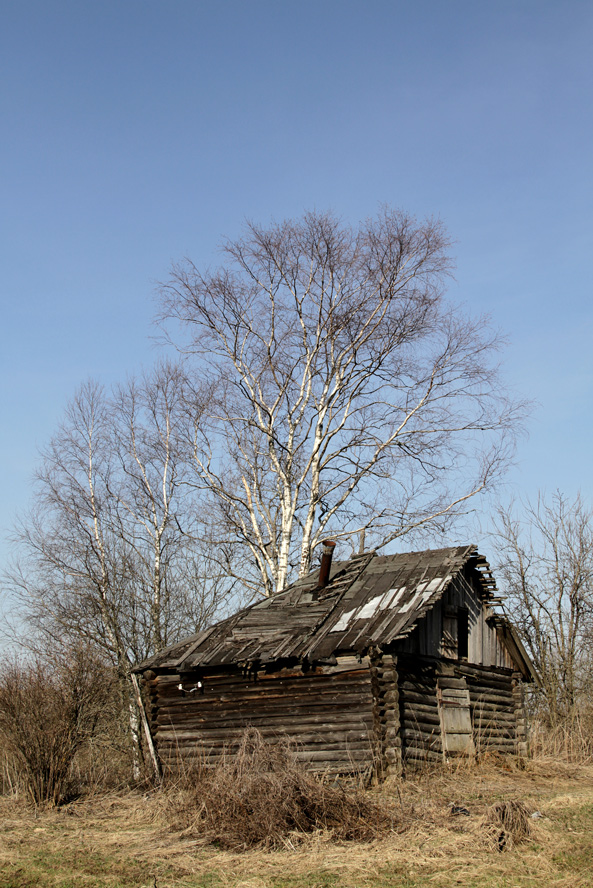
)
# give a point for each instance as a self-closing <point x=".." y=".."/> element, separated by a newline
<point x="326" y="563"/>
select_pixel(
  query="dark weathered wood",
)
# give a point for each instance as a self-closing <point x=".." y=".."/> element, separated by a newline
<point x="520" y="715"/>
<point x="331" y="734"/>
<point x="418" y="712"/>
<point x="329" y="715"/>
<point x="420" y="757"/>
<point x="493" y="674"/>
<point x="426" y="733"/>
<point x="485" y="694"/>
<point x="384" y="683"/>
<point x="427" y="722"/>
<point x="424" y="699"/>
<point x="494" y="716"/>
<point x="449" y="682"/>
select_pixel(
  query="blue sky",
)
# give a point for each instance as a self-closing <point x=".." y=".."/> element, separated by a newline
<point x="137" y="133"/>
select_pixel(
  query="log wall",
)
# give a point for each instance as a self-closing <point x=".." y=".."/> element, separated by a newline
<point x="520" y="715"/>
<point x="381" y="713"/>
<point x="493" y="705"/>
<point x="419" y="711"/>
<point x="387" y="726"/>
<point x="496" y="706"/>
<point x="328" y="711"/>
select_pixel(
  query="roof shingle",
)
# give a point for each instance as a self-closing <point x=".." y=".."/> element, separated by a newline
<point x="369" y="600"/>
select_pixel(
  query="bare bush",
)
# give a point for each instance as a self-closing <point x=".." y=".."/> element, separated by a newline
<point x="546" y="569"/>
<point x="262" y="796"/>
<point x="47" y="714"/>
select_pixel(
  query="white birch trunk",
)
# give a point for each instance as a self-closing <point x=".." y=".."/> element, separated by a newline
<point x="135" y="738"/>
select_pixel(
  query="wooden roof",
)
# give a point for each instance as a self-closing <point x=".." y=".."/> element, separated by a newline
<point x="370" y="600"/>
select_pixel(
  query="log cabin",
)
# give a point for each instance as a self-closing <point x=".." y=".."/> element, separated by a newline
<point x="378" y="663"/>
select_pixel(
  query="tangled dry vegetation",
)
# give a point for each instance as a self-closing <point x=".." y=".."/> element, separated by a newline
<point x="509" y="822"/>
<point x="263" y="797"/>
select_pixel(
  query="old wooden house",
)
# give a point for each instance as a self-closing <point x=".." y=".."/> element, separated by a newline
<point x="378" y="661"/>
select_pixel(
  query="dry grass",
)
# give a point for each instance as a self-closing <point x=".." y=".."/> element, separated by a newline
<point x="570" y="741"/>
<point x="124" y="839"/>
<point x="261" y="796"/>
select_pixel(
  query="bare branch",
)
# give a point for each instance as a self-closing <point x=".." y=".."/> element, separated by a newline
<point x="339" y="378"/>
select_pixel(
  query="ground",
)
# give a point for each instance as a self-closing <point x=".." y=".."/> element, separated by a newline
<point x="122" y="840"/>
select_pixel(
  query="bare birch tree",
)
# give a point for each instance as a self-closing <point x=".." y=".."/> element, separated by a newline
<point x="546" y="566"/>
<point x="113" y="553"/>
<point x="347" y="396"/>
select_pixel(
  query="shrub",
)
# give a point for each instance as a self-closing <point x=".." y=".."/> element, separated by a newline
<point x="260" y="795"/>
<point x="47" y="713"/>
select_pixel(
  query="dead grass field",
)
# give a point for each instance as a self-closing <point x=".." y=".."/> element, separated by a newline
<point x="124" y="841"/>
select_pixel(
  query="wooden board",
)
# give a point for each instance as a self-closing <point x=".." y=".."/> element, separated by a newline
<point x="456" y="722"/>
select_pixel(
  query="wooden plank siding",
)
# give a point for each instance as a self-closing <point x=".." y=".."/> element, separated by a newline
<point x="484" y="644"/>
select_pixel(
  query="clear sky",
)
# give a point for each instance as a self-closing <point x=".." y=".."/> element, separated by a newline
<point x="137" y="132"/>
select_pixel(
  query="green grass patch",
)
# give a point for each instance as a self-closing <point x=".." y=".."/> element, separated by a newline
<point x="77" y="867"/>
